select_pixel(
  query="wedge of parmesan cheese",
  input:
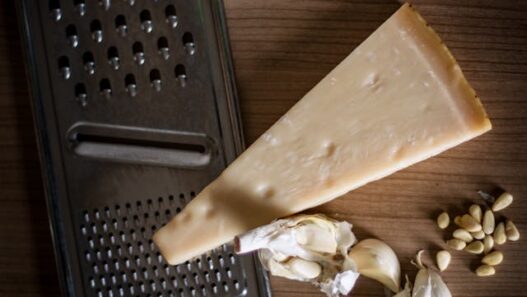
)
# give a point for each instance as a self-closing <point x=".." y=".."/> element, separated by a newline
<point x="397" y="99"/>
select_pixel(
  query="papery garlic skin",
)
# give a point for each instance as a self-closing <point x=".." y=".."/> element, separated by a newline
<point x="341" y="284"/>
<point x="375" y="259"/>
<point x="407" y="291"/>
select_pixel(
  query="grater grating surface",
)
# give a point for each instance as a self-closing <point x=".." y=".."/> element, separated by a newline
<point x="135" y="112"/>
<point x="122" y="260"/>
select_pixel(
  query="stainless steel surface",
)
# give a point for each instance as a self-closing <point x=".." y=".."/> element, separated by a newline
<point x="135" y="112"/>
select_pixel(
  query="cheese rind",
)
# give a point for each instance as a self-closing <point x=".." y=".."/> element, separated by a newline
<point x="397" y="99"/>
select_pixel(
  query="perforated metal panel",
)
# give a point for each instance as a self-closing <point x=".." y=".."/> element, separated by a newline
<point x="135" y="112"/>
<point x="122" y="260"/>
<point x="120" y="49"/>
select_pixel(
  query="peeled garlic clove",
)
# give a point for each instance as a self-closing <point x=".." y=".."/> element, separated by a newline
<point x="443" y="220"/>
<point x="462" y="234"/>
<point x="475" y="212"/>
<point x="511" y="231"/>
<point x="500" y="237"/>
<point x="456" y="244"/>
<point x="485" y="270"/>
<point x="375" y="259"/>
<point x="475" y="247"/>
<point x="468" y="223"/>
<point x="428" y="283"/>
<point x="488" y="222"/>
<point x="493" y="258"/>
<point x="443" y="259"/>
<point x="478" y="235"/>
<point x="502" y="202"/>
<point x="279" y="269"/>
<point x="488" y="243"/>
<point x="304" y="268"/>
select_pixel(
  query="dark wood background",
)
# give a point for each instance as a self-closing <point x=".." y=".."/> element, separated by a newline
<point x="281" y="49"/>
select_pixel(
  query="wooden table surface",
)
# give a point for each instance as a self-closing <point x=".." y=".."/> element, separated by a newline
<point x="281" y="49"/>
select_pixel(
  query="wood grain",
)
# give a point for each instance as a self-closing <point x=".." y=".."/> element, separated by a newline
<point x="281" y="49"/>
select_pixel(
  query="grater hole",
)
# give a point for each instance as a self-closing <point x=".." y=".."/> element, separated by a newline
<point x="113" y="57"/>
<point x="120" y="25"/>
<point x="80" y="6"/>
<point x="72" y="36"/>
<point x="54" y="8"/>
<point x="82" y="98"/>
<point x="105" y="4"/>
<point x="181" y="74"/>
<point x="188" y="43"/>
<point x="54" y="4"/>
<point x="139" y="54"/>
<point x="155" y="79"/>
<point x="95" y="25"/>
<point x="171" y="17"/>
<point x="89" y="62"/>
<point x="80" y="89"/>
<point x="131" y="87"/>
<point x="105" y="87"/>
<point x="64" y="67"/>
<point x="162" y="46"/>
<point x="162" y="42"/>
<point x="96" y="31"/>
<point x="146" y="21"/>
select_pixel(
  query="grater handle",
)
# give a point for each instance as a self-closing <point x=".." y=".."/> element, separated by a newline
<point x="136" y="145"/>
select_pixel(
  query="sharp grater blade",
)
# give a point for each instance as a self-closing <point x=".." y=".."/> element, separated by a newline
<point x="135" y="111"/>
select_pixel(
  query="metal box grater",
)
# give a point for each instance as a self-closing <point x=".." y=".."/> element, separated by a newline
<point x="135" y="112"/>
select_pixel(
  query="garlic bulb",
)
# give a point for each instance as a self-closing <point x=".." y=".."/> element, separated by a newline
<point x="428" y="283"/>
<point x="311" y="248"/>
<point x="376" y="260"/>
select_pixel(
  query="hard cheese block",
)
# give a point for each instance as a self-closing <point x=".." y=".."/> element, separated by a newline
<point x="397" y="99"/>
